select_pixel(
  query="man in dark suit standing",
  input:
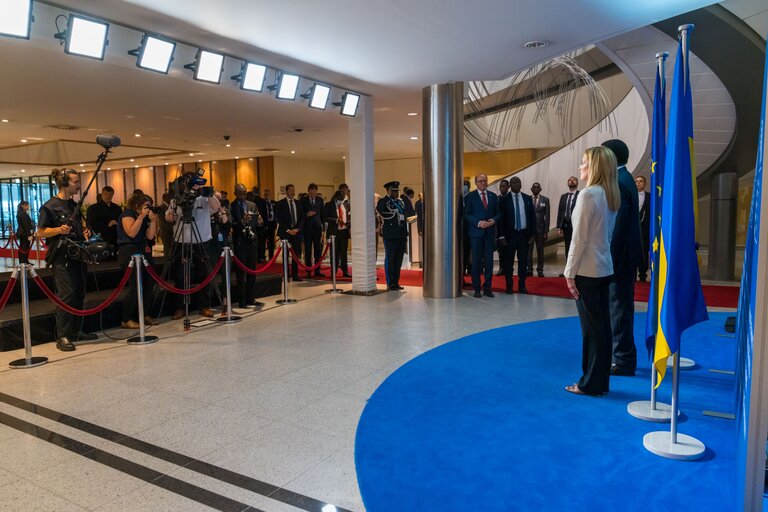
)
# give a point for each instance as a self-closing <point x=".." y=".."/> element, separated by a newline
<point x="502" y="248"/>
<point x="625" y="252"/>
<point x="337" y="220"/>
<point x="481" y="211"/>
<point x="312" y="204"/>
<point x="394" y="231"/>
<point x="290" y="221"/>
<point x="270" y="226"/>
<point x="644" y="202"/>
<point x="564" y="211"/>
<point x="516" y="226"/>
<point x="246" y="223"/>
<point x="541" y="208"/>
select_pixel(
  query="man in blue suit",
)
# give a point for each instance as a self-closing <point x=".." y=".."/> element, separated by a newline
<point x="626" y="245"/>
<point x="481" y="211"/>
<point x="517" y="226"/>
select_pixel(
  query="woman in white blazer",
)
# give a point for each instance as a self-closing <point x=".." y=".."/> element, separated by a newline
<point x="589" y="267"/>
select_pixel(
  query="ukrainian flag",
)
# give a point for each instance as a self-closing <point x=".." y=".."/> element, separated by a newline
<point x="682" y="302"/>
<point x="658" y="151"/>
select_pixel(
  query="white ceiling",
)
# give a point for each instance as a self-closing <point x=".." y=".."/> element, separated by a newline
<point x="389" y="50"/>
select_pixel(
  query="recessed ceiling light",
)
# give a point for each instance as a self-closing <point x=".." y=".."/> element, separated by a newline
<point x="23" y="140"/>
<point x="135" y="166"/>
<point x="413" y="113"/>
<point x="228" y="145"/>
<point x="82" y="165"/>
<point x="166" y="163"/>
<point x="293" y="152"/>
<point x="251" y="159"/>
<point x="535" y="44"/>
<point x="414" y="138"/>
<point x="199" y="160"/>
<point x="109" y="168"/>
<point x="237" y="157"/>
<point x="131" y="159"/>
<point x="5" y="120"/>
<point x="23" y="170"/>
<point x="191" y="154"/>
<point x="137" y="135"/>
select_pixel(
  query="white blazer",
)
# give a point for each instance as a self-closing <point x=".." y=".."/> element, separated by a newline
<point x="593" y="221"/>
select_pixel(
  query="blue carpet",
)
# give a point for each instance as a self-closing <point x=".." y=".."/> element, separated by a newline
<point x="484" y="424"/>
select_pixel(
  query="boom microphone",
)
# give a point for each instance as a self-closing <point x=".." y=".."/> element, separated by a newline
<point x="108" y="141"/>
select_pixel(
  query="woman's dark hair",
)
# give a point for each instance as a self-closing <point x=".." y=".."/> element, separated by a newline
<point x="21" y="206"/>
<point x="136" y="200"/>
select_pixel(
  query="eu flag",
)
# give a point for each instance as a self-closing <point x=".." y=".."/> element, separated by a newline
<point x="681" y="300"/>
<point x="658" y="150"/>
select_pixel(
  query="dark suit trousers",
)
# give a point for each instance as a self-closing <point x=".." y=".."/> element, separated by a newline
<point x="567" y="235"/>
<point x="395" y="250"/>
<point x="342" y="246"/>
<point x="69" y="278"/>
<point x="622" y="307"/>
<point x="537" y="241"/>
<point x="247" y="252"/>
<point x="25" y="246"/>
<point x="295" y="241"/>
<point x="642" y="268"/>
<point x="592" y="306"/>
<point x="482" y="260"/>
<point x="267" y="241"/>
<point x="517" y="244"/>
<point x="313" y="249"/>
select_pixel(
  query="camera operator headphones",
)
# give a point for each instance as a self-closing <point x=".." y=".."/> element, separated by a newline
<point x="61" y="177"/>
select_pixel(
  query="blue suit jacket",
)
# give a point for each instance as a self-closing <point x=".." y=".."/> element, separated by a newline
<point x="474" y="212"/>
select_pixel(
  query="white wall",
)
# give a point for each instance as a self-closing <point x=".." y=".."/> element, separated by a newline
<point x="301" y="172"/>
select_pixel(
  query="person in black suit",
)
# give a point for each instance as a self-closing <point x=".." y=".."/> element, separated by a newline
<point x="625" y="252"/>
<point x="644" y="201"/>
<point x="564" y="211"/>
<point x="407" y="199"/>
<point x="270" y="225"/>
<point x="466" y="246"/>
<point x="25" y="229"/>
<point x="502" y="248"/>
<point x="481" y="211"/>
<point x="102" y="217"/>
<point x="312" y="204"/>
<point x="290" y="225"/>
<point x="517" y="225"/>
<point x="337" y="221"/>
<point x="419" y="207"/>
<point x="394" y="231"/>
<point x="541" y="207"/>
<point x="246" y="224"/>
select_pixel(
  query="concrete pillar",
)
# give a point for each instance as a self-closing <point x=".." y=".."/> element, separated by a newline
<point x="722" y="226"/>
<point x="443" y="157"/>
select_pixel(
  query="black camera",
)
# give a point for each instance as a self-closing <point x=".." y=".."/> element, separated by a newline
<point x="187" y="188"/>
<point x="155" y="209"/>
<point x="92" y="250"/>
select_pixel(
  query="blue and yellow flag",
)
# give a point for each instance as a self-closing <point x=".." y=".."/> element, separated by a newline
<point x="682" y="302"/>
<point x="658" y="151"/>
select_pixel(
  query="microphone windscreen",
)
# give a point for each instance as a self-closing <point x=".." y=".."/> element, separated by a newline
<point x="108" y="141"/>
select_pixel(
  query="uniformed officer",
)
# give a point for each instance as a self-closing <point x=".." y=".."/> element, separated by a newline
<point x="394" y="231"/>
<point x="56" y="222"/>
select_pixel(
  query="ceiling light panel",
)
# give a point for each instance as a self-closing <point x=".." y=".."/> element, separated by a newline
<point x="209" y="67"/>
<point x="289" y="84"/>
<point x="16" y="18"/>
<point x="253" y="77"/>
<point x="349" y="104"/>
<point x="319" y="97"/>
<point x="156" y="54"/>
<point x="86" y="37"/>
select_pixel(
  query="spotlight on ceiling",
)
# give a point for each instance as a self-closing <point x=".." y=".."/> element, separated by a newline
<point x="286" y="86"/>
<point x="349" y="102"/>
<point x="17" y="18"/>
<point x="207" y="66"/>
<point x="84" y="36"/>
<point x="251" y="76"/>
<point x="318" y="96"/>
<point x="154" y="54"/>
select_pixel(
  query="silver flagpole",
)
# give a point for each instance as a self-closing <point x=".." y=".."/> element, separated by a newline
<point x="28" y="361"/>
<point x="142" y="338"/>
<point x="673" y="445"/>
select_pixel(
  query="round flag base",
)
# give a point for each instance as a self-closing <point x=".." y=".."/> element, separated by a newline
<point x="138" y="340"/>
<point x="32" y="362"/>
<point x="685" y="363"/>
<point x="641" y="409"/>
<point x="686" y="447"/>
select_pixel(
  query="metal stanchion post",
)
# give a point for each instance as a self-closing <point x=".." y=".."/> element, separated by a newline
<point x="28" y="361"/>
<point x="652" y="410"/>
<point x="37" y="245"/>
<point x="333" y="266"/>
<point x="141" y="339"/>
<point x="230" y="318"/>
<point x="285" y="300"/>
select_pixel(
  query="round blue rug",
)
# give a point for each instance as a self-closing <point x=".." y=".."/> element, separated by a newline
<point x="483" y="424"/>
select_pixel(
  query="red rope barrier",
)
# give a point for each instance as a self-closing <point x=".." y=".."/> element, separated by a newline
<point x="317" y="263"/>
<point x="10" y="239"/>
<point x="151" y="271"/>
<point x="83" y="312"/>
<point x="7" y="292"/>
<point x="253" y="272"/>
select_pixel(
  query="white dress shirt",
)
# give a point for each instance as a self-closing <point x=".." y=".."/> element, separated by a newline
<point x="593" y="221"/>
<point x="640" y="200"/>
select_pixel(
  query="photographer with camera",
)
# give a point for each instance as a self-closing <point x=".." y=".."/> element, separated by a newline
<point x="247" y="223"/>
<point x="60" y="224"/>
<point x="191" y="207"/>
<point x="136" y="229"/>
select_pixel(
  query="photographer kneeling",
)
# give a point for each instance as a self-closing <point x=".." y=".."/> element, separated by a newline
<point x="59" y="223"/>
<point x="194" y="210"/>
<point x="136" y="227"/>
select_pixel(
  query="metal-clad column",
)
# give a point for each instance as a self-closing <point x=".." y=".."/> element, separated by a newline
<point x="722" y="226"/>
<point x="443" y="156"/>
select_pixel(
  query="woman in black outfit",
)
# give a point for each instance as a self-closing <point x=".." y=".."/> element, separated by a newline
<point x="24" y="231"/>
<point x="136" y="230"/>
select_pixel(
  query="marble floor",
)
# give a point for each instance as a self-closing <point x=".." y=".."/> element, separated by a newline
<point x="257" y="415"/>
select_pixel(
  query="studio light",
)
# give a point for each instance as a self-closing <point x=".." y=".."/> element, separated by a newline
<point x="207" y="66"/>
<point x="16" y="18"/>
<point x="154" y="54"/>
<point x="349" y="102"/>
<point x="86" y="37"/>
<point x="251" y="77"/>
<point x="318" y="96"/>
<point x="286" y="86"/>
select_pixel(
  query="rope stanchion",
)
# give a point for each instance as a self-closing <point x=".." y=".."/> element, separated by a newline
<point x="313" y="267"/>
<point x="82" y="312"/>
<point x="8" y="289"/>
<point x="142" y="338"/>
<point x="285" y="300"/>
<point x="251" y="271"/>
<point x="28" y="361"/>
<point x="180" y="291"/>
<point x="230" y="318"/>
<point x="332" y="245"/>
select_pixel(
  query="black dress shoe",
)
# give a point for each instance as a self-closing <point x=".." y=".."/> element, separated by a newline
<point x="346" y="274"/>
<point x="394" y="288"/>
<point x="561" y="275"/>
<point x="87" y="336"/>
<point x="478" y="294"/>
<point x="622" y="372"/>
<point x="319" y="274"/>
<point x="64" y="344"/>
<point x="509" y="291"/>
<point x="500" y="272"/>
<point x="297" y="279"/>
<point x="541" y="274"/>
<point x="489" y="293"/>
<point x="529" y="273"/>
<point x="523" y="290"/>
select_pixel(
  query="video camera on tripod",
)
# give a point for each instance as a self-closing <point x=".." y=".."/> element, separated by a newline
<point x="187" y="188"/>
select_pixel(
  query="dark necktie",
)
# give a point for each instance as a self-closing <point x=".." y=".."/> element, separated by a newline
<point x="293" y="212"/>
<point x="485" y="202"/>
<point x="517" y="212"/>
<point x="570" y="202"/>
